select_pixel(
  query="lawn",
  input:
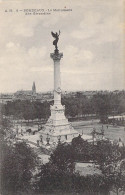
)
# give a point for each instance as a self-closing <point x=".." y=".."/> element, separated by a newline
<point x="113" y="133"/>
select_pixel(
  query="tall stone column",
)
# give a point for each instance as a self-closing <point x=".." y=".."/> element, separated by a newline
<point x="57" y="79"/>
<point x="57" y="126"/>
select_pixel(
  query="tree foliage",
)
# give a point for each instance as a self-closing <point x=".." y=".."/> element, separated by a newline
<point x="17" y="163"/>
<point x="101" y="105"/>
<point x="58" y="175"/>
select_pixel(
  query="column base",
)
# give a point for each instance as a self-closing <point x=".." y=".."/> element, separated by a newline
<point x="58" y="126"/>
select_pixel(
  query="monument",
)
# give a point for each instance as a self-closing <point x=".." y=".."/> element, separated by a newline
<point x="57" y="127"/>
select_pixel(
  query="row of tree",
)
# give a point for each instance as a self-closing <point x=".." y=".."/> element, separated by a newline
<point x="100" y="105"/>
<point x="26" y="110"/>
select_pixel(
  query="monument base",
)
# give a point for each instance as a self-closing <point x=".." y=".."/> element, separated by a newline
<point x="57" y="127"/>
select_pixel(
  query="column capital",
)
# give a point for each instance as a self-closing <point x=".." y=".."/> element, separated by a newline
<point x="56" y="56"/>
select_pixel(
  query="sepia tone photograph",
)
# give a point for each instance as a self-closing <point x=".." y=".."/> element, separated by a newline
<point x="62" y="97"/>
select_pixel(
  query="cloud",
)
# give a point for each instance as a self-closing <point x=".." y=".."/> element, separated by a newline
<point x="50" y="21"/>
<point x="99" y="27"/>
<point x="20" y="67"/>
<point x="76" y="58"/>
<point x="23" y="30"/>
<point x="10" y="45"/>
<point x="37" y="52"/>
<point x="91" y="41"/>
<point x="81" y="34"/>
<point x="90" y="18"/>
<point x="24" y="59"/>
<point x="41" y="69"/>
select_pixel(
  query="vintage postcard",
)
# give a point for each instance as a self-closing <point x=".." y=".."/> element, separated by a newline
<point x="62" y="97"/>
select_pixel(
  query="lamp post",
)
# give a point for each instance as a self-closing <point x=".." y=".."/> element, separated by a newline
<point x="48" y="139"/>
<point x="41" y="138"/>
<point x="102" y="131"/>
<point x="17" y="129"/>
<point x="93" y="134"/>
<point x="38" y="143"/>
<point x="59" y="138"/>
<point x="21" y="128"/>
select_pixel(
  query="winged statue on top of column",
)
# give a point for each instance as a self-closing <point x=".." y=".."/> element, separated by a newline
<point x="56" y="37"/>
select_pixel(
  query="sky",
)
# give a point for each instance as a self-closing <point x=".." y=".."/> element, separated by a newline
<point x="91" y="40"/>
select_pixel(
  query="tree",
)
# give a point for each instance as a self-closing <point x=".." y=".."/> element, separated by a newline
<point x="63" y="157"/>
<point x="17" y="164"/>
<point x="77" y="141"/>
